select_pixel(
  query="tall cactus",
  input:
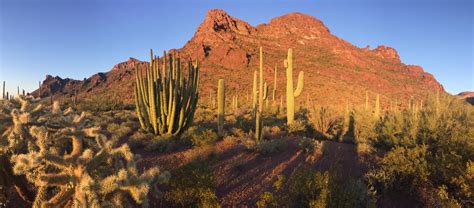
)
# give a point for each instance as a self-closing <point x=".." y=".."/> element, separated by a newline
<point x="165" y="99"/>
<point x="220" y="106"/>
<point x="3" y="95"/>
<point x="275" y="84"/>
<point x="254" y="93"/>
<point x="290" y="94"/>
<point x="262" y="96"/>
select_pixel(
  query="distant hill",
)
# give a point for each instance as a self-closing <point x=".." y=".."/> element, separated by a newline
<point x="227" y="47"/>
<point x="467" y="96"/>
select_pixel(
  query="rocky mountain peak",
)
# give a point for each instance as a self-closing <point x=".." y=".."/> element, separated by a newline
<point x="387" y="53"/>
<point x="130" y="63"/>
<point x="218" y="21"/>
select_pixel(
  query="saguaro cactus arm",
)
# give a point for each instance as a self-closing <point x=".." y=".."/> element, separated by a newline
<point x="299" y="86"/>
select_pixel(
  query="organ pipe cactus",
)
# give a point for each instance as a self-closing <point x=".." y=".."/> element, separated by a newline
<point x="290" y="93"/>
<point x="220" y="106"/>
<point x="262" y="96"/>
<point x="165" y="99"/>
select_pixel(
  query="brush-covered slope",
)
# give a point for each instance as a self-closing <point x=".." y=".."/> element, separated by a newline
<point x="227" y="47"/>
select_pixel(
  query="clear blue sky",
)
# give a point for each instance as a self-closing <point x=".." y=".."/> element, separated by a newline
<point x="78" y="38"/>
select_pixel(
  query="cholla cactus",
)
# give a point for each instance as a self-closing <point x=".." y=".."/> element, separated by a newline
<point x="71" y="163"/>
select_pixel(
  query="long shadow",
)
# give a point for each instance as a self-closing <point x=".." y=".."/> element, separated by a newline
<point x="243" y="182"/>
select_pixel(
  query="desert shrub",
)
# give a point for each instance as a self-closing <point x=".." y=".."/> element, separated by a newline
<point x="139" y="139"/>
<point x="161" y="144"/>
<point x="203" y="138"/>
<point x="307" y="188"/>
<point x="192" y="185"/>
<point x="348" y="192"/>
<point x="363" y="125"/>
<point x="430" y="146"/>
<point x="102" y="103"/>
<point x="309" y="145"/>
<point x="325" y="122"/>
<point x="272" y="146"/>
<point x="297" y="127"/>
<point x="392" y="131"/>
<point x="402" y="169"/>
<point x="267" y="200"/>
<point x="118" y="131"/>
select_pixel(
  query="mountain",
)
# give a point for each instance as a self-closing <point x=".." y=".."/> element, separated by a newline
<point x="467" y="96"/>
<point x="227" y="47"/>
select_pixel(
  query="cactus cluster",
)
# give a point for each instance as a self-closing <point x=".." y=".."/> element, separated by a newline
<point x="165" y="99"/>
<point x="70" y="162"/>
<point x="290" y="93"/>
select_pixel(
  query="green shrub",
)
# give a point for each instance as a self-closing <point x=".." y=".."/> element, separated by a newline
<point x="161" y="144"/>
<point x="203" y="138"/>
<point x="308" y="145"/>
<point x="192" y="186"/>
<point x="402" y="169"/>
<point x="297" y="127"/>
<point x="269" y="147"/>
<point x="326" y="123"/>
<point x="363" y="125"/>
<point x="307" y="188"/>
<point x="267" y="201"/>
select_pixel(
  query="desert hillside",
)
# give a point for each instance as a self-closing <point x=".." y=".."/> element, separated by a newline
<point x="227" y="47"/>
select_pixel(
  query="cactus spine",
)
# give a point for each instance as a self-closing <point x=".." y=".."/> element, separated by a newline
<point x="165" y="100"/>
<point x="220" y="106"/>
<point x="290" y="94"/>
<point x="262" y="96"/>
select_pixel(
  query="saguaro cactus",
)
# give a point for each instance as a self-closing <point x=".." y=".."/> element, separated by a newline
<point x="220" y="106"/>
<point x="262" y="96"/>
<point x="165" y="100"/>
<point x="275" y="84"/>
<point x="3" y="95"/>
<point x="290" y="94"/>
<point x="254" y="93"/>
<point x="235" y="102"/>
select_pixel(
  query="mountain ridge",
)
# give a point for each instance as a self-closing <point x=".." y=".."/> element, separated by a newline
<point x="227" y="47"/>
